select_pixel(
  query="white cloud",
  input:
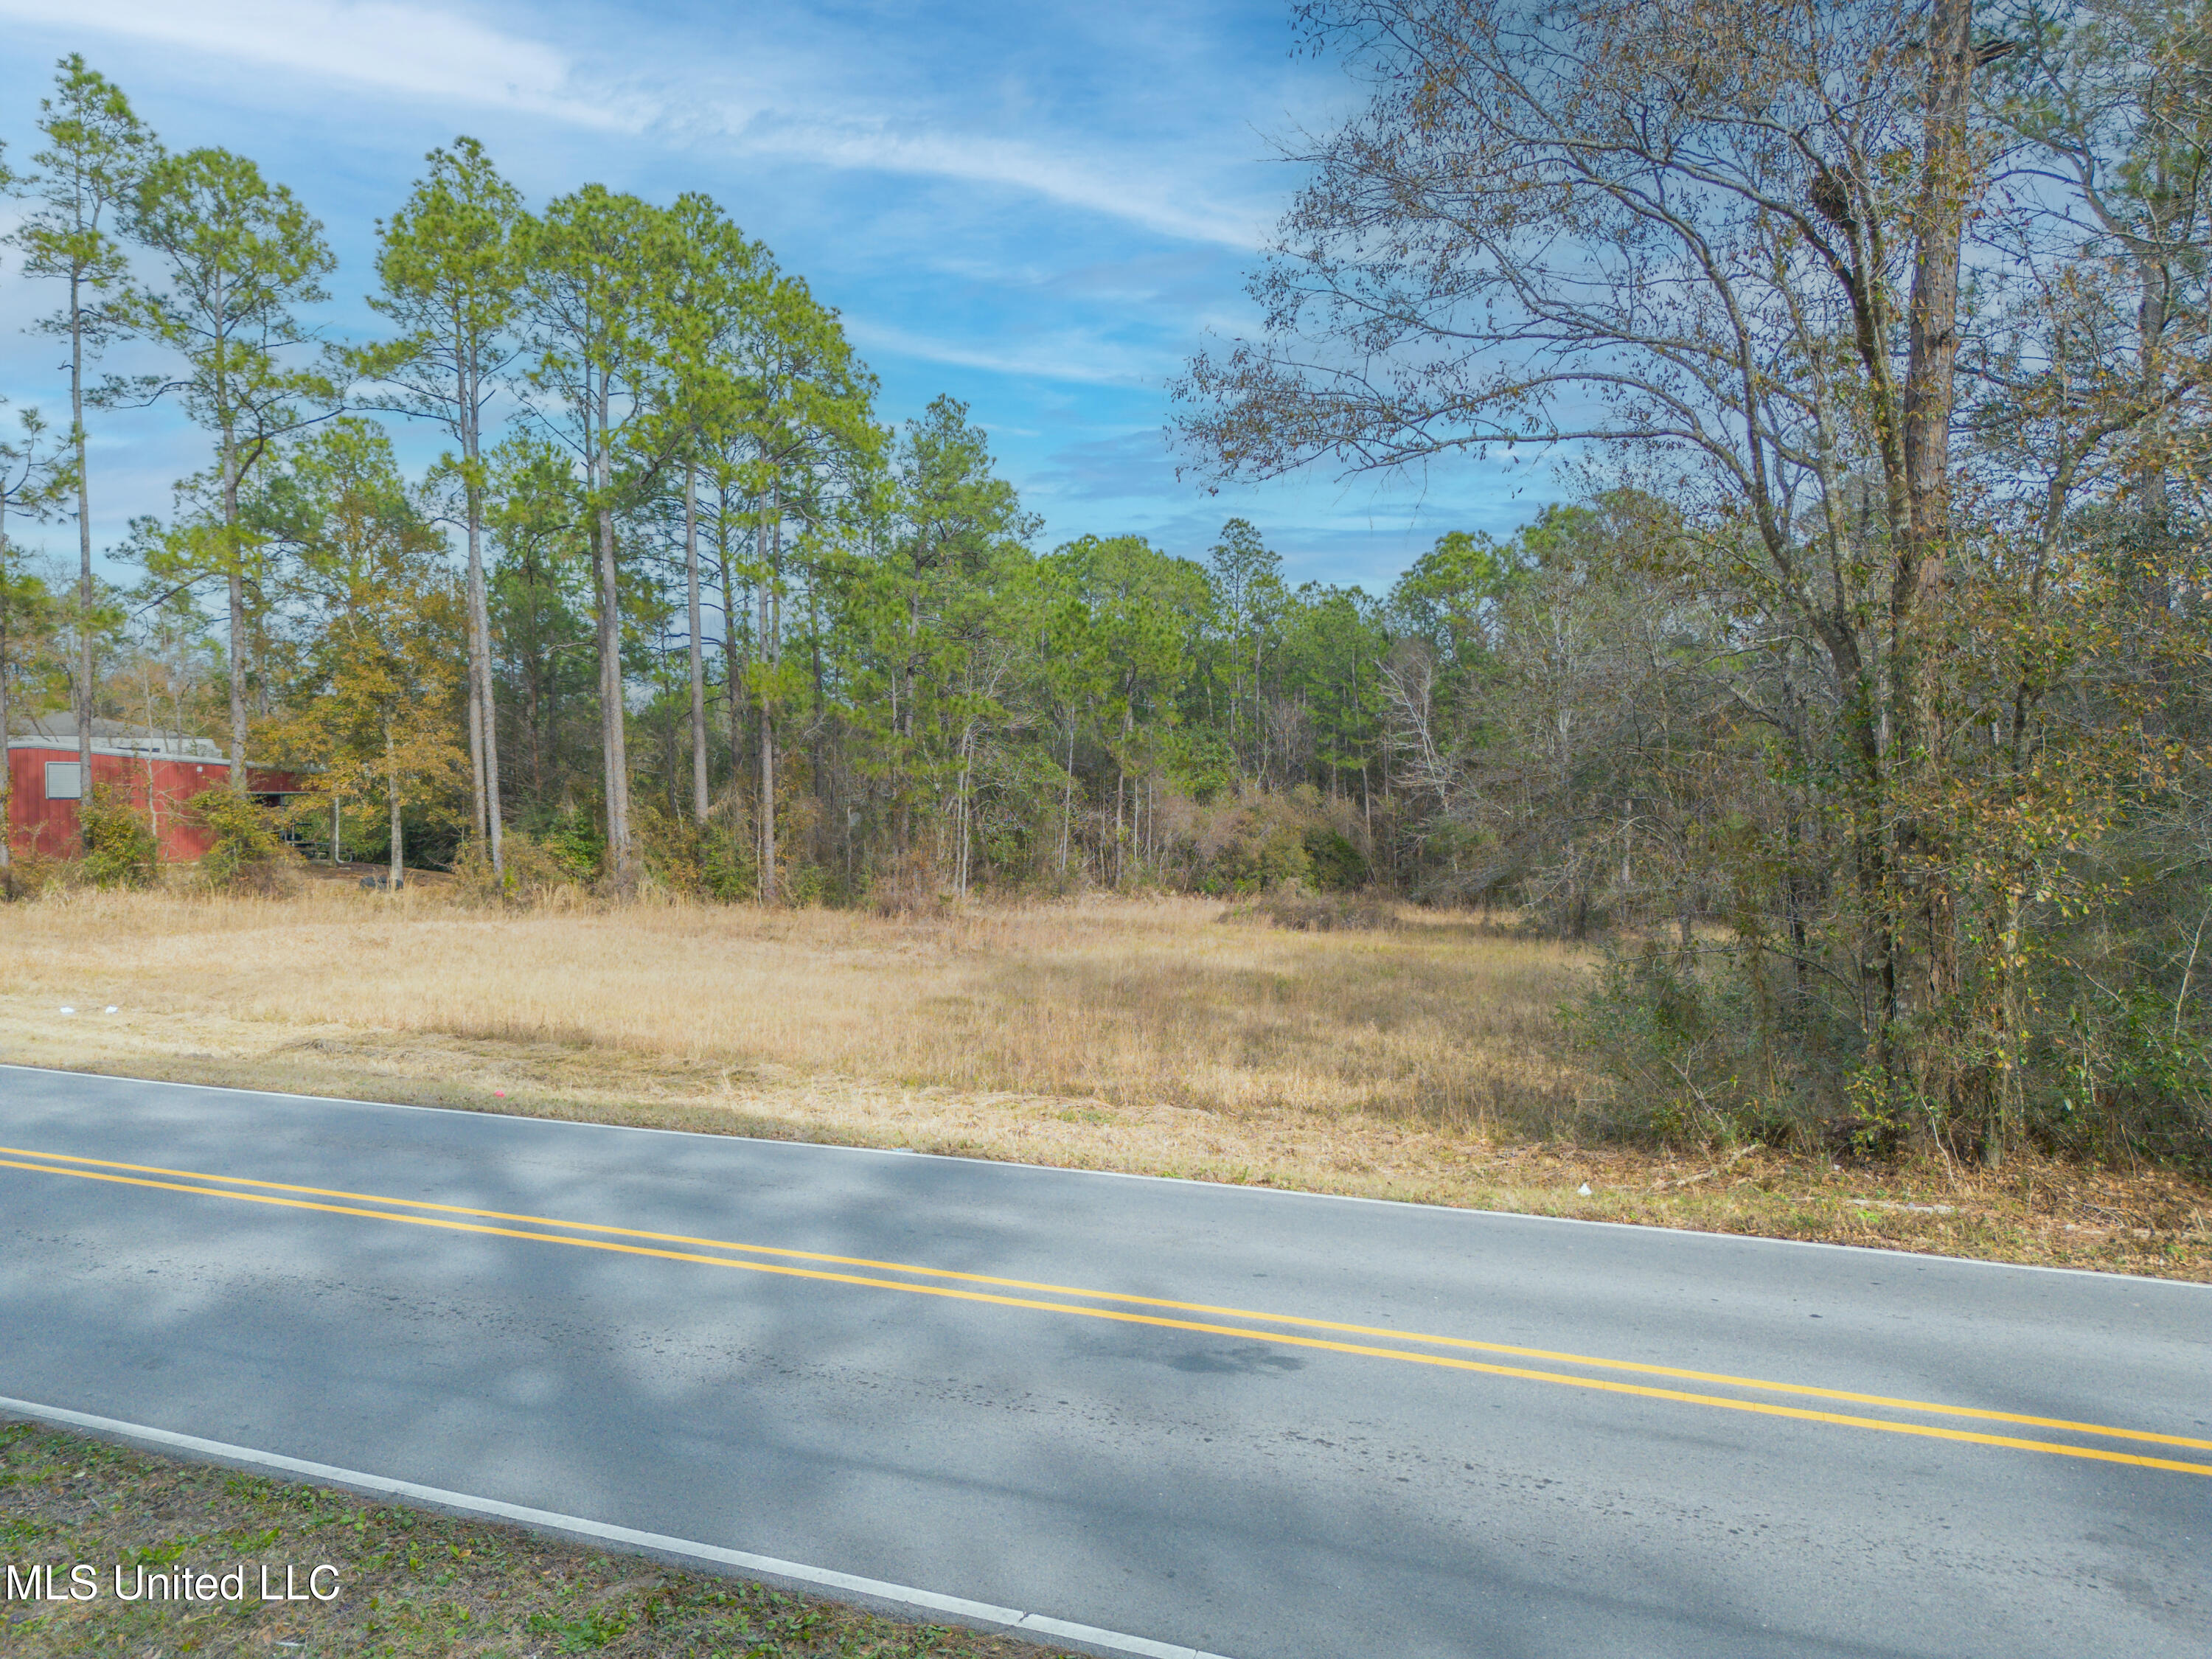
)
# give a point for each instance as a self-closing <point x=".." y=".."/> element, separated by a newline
<point x="415" y="51"/>
<point x="793" y="107"/>
<point x="1072" y="357"/>
<point x="1126" y="192"/>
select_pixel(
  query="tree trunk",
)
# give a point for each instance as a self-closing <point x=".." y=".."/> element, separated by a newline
<point x="476" y="741"/>
<point x="817" y="768"/>
<point x="698" y="660"/>
<point x="1067" y="797"/>
<point x="613" y="723"/>
<point x="83" y="541"/>
<point x="533" y="717"/>
<point x="234" y="557"/>
<point x="1259" y="706"/>
<point x="733" y="675"/>
<point x="767" y="654"/>
<point x="1933" y="314"/>
<point x="1121" y="786"/>
<point x="480" y="674"/>
<point x="399" y="876"/>
<point x="901" y="781"/>
<point x="2155" y="574"/>
<point x="967" y="773"/>
<point x="1121" y="790"/>
<point x="1931" y="361"/>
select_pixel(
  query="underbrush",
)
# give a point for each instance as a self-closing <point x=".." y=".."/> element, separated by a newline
<point x="120" y="846"/>
<point x="1719" y="1046"/>
<point x="1252" y="841"/>
<point x="247" y="852"/>
<point x="537" y="874"/>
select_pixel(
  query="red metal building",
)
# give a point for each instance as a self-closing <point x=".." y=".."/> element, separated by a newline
<point x="160" y="771"/>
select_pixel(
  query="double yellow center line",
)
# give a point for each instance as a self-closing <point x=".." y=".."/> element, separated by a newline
<point x="1283" y="1329"/>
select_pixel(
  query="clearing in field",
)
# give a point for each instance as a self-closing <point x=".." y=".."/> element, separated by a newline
<point x="1422" y="1060"/>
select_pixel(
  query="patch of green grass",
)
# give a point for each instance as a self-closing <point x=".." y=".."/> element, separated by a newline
<point x="411" y="1585"/>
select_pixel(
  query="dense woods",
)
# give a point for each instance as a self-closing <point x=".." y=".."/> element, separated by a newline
<point x="1855" y="700"/>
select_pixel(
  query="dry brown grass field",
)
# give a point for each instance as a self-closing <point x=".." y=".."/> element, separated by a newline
<point x="1421" y="1062"/>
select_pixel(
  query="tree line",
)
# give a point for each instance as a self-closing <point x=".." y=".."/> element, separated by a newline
<point x="673" y="605"/>
<point x="1857" y="697"/>
<point x="1879" y="331"/>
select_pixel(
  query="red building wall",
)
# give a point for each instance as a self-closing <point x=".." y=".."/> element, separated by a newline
<point x="159" y="784"/>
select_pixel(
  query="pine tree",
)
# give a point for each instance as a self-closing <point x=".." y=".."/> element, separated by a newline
<point x="242" y="256"/>
<point x="96" y="153"/>
<point x="447" y="261"/>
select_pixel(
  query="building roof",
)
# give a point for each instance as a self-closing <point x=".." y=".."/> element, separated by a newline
<point x="57" y="730"/>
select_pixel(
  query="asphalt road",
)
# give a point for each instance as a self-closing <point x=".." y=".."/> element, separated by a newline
<point x="1237" y="1481"/>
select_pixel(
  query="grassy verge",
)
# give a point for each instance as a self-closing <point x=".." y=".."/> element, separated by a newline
<point x="1420" y="1063"/>
<point x="409" y="1584"/>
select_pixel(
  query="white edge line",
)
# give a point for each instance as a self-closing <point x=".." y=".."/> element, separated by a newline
<point x="875" y="1589"/>
<point x="1644" y="1229"/>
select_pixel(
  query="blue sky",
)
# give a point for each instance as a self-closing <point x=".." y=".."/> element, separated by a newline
<point x="1040" y="208"/>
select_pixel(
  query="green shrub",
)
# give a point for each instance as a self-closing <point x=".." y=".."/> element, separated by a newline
<point x="699" y="861"/>
<point x="248" y="851"/>
<point x="573" y="841"/>
<point x="728" y="868"/>
<point x="31" y="873"/>
<point x="1260" y="840"/>
<point x="2124" y="1078"/>
<point x="1694" y="1062"/>
<point x="1263" y="856"/>
<point x="535" y="872"/>
<point x="120" y="848"/>
<point x="1337" y="865"/>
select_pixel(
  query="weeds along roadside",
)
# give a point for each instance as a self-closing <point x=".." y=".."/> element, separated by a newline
<point x="409" y="1584"/>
